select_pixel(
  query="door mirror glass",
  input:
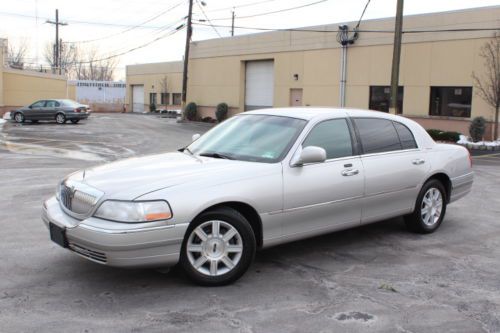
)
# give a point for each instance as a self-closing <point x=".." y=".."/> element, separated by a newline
<point x="311" y="154"/>
<point x="196" y="137"/>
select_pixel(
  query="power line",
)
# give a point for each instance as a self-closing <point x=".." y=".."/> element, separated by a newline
<point x="135" y="26"/>
<point x="208" y="20"/>
<point x="240" y="6"/>
<point x="367" y="31"/>
<point x="168" y="34"/>
<point x="274" y="12"/>
<point x="362" y="14"/>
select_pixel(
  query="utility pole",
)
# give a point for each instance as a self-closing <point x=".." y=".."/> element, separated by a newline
<point x="396" y="55"/>
<point x="189" y="32"/>
<point x="57" y="51"/>
<point x="232" y="24"/>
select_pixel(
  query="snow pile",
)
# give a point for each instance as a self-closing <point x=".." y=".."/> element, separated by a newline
<point x="464" y="140"/>
<point x="6" y="116"/>
<point x="2" y="121"/>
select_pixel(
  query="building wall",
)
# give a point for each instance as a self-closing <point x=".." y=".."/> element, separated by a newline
<point x="3" y="48"/>
<point x="23" y="87"/>
<point x="152" y="77"/>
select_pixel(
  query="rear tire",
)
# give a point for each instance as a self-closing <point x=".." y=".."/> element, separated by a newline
<point x="75" y="121"/>
<point x="218" y="247"/>
<point x="60" y="118"/>
<point x="19" y="117"/>
<point x="430" y="208"/>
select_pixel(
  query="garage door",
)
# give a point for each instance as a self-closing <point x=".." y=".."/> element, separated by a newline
<point x="138" y="98"/>
<point x="259" y="84"/>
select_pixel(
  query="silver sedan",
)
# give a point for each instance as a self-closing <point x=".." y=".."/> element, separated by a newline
<point x="259" y="179"/>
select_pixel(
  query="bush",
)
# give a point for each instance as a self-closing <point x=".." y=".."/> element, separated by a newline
<point x="477" y="128"/>
<point x="152" y="107"/>
<point x="191" y="111"/>
<point x="221" y="111"/>
<point x="439" y="135"/>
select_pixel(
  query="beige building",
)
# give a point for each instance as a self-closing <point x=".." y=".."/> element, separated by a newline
<point x="158" y="83"/>
<point x="304" y="68"/>
<point x="23" y="87"/>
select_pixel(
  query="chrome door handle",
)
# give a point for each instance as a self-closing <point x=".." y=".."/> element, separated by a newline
<point x="418" y="161"/>
<point x="349" y="172"/>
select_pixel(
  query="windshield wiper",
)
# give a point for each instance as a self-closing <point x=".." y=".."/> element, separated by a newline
<point x="186" y="149"/>
<point x="217" y="155"/>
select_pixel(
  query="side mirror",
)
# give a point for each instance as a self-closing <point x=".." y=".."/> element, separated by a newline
<point x="311" y="154"/>
<point x="196" y="137"/>
<point x="31" y="106"/>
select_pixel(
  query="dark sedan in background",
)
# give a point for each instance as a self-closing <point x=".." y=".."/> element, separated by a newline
<point x="60" y="110"/>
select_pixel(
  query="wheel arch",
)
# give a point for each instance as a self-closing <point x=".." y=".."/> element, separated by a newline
<point x="445" y="180"/>
<point x="248" y="212"/>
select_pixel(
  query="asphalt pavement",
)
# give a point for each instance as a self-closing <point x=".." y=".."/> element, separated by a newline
<point x="375" y="278"/>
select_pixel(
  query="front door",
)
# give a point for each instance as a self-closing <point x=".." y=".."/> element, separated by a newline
<point x="296" y="97"/>
<point x="324" y="196"/>
<point x="35" y="111"/>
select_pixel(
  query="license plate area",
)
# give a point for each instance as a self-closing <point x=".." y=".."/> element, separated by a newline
<point x="58" y="235"/>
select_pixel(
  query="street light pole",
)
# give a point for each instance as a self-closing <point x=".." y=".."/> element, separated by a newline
<point x="57" y="51"/>
<point x="396" y="55"/>
<point x="189" y="32"/>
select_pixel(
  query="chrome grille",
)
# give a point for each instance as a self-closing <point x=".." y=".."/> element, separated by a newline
<point x="77" y="199"/>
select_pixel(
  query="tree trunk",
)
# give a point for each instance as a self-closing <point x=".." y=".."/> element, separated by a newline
<point x="495" y="125"/>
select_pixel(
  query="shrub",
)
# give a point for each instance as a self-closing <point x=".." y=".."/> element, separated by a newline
<point x="152" y="107"/>
<point x="439" y="135"/>
<point x="221" y="111"/>
<point x="191" y="111"/>
<point x="477" y="128"/>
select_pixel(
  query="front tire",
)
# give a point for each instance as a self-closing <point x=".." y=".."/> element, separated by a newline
<point x="430" y="208"/>
<point x="60" y="118"/>
<point x="19" y="117"/>
<point x="218" y="248"/>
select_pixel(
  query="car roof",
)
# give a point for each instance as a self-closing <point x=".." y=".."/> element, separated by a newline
<point x="308" y="113"/>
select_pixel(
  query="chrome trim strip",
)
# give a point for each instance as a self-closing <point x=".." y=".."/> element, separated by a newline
<point x="130" y="231"/>
<point x="314" y="205"/>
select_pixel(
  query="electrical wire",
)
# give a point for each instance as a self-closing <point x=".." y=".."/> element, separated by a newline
<point x="208" y="20"/>
<point x="368" y="31"/>
<point x="168" y="34"/>
<point x="362" y="14"/>
<point x="240" y="6"/>
<point x="133" y="27"/>
<point x="273" y="12"/>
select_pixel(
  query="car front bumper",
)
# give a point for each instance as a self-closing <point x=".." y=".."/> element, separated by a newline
<point x="120" y="246"/>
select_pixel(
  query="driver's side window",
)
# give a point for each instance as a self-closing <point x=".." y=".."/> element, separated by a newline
<point x="39" y="104"/>
<point x="333" y="136"/>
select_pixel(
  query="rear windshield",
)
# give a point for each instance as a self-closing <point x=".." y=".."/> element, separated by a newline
<point x="70" y="103"/>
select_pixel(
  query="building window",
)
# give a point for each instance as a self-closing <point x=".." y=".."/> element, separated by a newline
<point x="451" y="101"/>
<point x="380" y="98"/>
<point x="176" y="99"/>
<point x="152" y="98"/>
<point x="165" y="98"/>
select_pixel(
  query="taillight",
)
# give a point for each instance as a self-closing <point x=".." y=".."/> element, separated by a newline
<point x="77" y="110"/>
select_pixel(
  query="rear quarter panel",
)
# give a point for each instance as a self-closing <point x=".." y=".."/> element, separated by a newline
<point x="454" y="161"/>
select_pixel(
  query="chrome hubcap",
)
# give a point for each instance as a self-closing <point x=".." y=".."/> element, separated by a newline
<point x="19" y="117"/>
<point x="214" y="248"/>
<point x="432" y="206"/>
<point x="60" y="118"/>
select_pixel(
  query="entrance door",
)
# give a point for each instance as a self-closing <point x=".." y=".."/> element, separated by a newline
<point x="295" y="97"/>
<point x="259" y="84"/>
<point x="138" y="98"/>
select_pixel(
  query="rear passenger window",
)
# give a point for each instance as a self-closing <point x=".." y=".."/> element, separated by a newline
<point x="377" y="135"/>
<point x="333" y="136"/>
<point x="405" y="136"/>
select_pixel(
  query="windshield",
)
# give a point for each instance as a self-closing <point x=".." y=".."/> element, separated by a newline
<point x="257" y="138"/>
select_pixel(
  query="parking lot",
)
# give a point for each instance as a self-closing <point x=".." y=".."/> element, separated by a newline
<point x="376" y="278"/>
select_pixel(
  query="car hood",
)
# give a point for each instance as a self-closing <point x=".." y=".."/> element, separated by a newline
<point x="131" y="178"/>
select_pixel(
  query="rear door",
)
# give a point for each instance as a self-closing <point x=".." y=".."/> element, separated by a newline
<point x="50" y="109"/>
<point x="394" y="168"/>
<point x="324" y="196"/>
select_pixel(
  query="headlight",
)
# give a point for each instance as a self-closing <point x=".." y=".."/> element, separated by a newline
<point x="134" y="211"/>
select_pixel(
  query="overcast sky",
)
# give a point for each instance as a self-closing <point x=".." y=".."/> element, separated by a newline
<point x="117" y="26"/>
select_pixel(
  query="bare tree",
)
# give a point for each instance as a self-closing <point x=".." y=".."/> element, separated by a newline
<point x="164" y="89"/>
<point x="488" y="86"/>
<point x="92" y="66"/>
<point x="16" y="55"/>
<point x="67" y="60"/>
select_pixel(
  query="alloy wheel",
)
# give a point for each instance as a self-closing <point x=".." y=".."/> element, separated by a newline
<point x="432" y="206"/>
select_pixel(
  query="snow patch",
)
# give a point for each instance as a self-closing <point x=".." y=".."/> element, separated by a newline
<point x="464" y="140"/>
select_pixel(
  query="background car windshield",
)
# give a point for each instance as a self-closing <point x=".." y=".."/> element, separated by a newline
<point x="258" y="138"/>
